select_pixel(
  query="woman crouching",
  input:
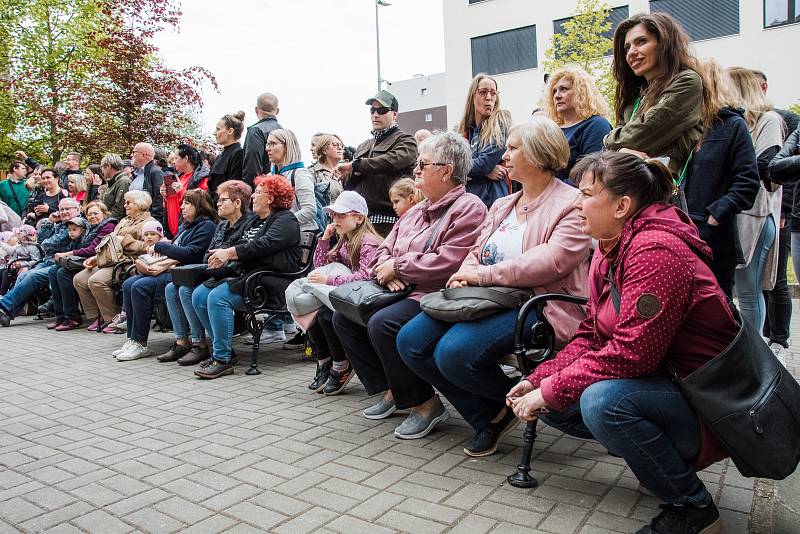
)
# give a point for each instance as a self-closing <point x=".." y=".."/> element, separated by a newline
<point x="653" y="300"/>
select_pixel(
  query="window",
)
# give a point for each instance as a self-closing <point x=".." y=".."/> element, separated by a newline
<point x="617" y="15"/>
<point x="507" y="51"/>
<point x="780" y="12"/>
<point x="702" y="19"/>
<point x="423" y="91"/>
<point x="429" y="117"/>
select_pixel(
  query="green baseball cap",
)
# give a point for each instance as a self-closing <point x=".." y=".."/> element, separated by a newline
<point x="385" y="98"/>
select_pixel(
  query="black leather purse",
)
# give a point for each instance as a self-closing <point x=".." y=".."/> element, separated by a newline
<point x="749" y="401"/>
<point x="191" y="275"/>
<point x="357" y="301"/>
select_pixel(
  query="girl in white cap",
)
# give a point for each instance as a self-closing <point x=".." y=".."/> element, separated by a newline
<point x="355" y="248"/>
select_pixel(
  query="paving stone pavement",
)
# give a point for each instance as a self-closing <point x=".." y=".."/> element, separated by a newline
<point x="89" y="444"/>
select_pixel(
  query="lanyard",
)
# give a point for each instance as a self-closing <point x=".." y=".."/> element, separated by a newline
<point x="636" y="107"/>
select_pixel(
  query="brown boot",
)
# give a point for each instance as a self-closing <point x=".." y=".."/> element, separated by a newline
<point x="195" y="356"/>
<point x="175" y="352"/>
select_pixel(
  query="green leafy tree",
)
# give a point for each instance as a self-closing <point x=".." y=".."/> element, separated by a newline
<point x="585" y="44"/>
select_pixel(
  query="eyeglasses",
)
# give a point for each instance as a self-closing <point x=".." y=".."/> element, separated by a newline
<point x="380" y="111"/>
<point x="274" y="143"/>
<point x="419" y="164"/>
<point x="220" y="200"/>
<point x="484" y="92"/>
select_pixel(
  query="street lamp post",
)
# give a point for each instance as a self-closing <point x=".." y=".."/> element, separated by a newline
<point x="379" y="3"/>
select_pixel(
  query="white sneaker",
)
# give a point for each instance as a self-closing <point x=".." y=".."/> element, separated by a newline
<point x="267" y="337"/>
<point x="290" y="329"/>
<point x="780" y="352"/>
<point x="125" y="346"/>
<point x="134" y="352"/>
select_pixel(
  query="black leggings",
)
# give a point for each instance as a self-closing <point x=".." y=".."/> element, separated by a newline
<point x="324" y="338"/>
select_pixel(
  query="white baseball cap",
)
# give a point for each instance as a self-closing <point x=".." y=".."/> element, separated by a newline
<point x="348" y="201"/>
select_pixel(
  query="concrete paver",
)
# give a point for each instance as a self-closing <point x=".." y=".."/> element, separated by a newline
<point x="89" y="444"/>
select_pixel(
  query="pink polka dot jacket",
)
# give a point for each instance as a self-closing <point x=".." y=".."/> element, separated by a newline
<point x="671" y="308"/>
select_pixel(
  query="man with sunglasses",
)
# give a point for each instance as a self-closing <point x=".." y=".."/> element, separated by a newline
<point x="380" y="161"/>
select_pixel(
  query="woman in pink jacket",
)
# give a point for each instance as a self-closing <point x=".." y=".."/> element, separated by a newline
<point x="532" y="239"/>
<point x="610" y="382"/>
<point x="425" y="247"/>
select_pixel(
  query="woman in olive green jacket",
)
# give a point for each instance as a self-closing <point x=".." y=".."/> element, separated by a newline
<point x="661" y="104"/>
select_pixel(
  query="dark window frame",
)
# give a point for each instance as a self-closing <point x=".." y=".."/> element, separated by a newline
<point x="792" y="15"/>
<point x="533" y="57"/>
<point x="702" y="38"/>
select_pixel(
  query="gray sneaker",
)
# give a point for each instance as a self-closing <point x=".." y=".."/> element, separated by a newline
<point x="416" y="426"/>
<point x="381" y="410"/>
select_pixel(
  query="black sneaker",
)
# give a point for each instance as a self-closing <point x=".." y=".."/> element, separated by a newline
<point x="485" y="440"/>
<point x="296" y="343"/>
<point x="677" y="519"/>
<point x="320" y="379"/>
<point x="215" y="369"/>
<point x="338" y="380"/>
<point x="5" y="318"/>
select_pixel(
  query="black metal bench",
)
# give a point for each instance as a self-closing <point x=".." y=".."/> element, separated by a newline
<point x="531" y="348"/>
<point x="257" y="312"/>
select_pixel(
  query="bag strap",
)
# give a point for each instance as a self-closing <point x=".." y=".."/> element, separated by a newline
<point x="615" y="298"/>
<point x="16" y="198"/>
<point x="506" y="300"/>
<point x="435" y="229"/>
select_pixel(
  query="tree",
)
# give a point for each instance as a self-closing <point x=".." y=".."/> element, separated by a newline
<point x="85" y="75"/>
<point x="585" y="44"/>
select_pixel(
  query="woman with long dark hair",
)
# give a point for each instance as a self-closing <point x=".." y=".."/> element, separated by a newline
<point x="661" y="104"/>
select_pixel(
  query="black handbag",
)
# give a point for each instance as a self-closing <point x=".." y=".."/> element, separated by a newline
<point x="749" y="401"/>
<point x="357" y="301"/>
<point x="71" y="263"/>
<point x="191" y="275"/>
<point x="458" y="304"/>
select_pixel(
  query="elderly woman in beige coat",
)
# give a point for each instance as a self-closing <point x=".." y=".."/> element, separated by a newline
<point x="93" y="284"/>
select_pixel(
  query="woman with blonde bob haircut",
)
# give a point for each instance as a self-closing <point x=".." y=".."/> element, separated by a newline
<point x="486" y="126"/>
<point x="578" y="107"/>
<point x="533" y="240"/>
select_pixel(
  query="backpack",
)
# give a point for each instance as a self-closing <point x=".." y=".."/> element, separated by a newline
<point x="322" y="195"/>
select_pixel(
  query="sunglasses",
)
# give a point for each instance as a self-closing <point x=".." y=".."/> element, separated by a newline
<point x="380" y="111"/>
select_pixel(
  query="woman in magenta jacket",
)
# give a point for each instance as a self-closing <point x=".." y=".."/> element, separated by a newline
<point x="532" y="240"/>
<point x="609" y="383"/>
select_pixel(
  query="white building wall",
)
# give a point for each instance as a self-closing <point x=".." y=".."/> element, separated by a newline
<point x="410" y="96"/>
<point x="770" y="50"/>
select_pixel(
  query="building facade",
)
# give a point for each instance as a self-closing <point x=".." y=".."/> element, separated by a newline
<point x="508" y="39"/>
<point x="423" y="102"/>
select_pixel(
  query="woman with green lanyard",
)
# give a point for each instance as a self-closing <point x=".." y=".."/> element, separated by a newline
<point x="661" y="104"/>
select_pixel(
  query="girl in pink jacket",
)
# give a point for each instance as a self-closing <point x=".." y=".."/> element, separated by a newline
<point x="532" y="240"/>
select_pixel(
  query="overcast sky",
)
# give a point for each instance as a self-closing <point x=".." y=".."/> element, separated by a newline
<point x="317" y="56"/>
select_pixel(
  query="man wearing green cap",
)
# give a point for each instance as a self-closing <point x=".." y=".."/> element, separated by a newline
<point x="378" y="162"/>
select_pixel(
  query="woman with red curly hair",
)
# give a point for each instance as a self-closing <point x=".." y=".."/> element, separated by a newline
<point x="269" y="241"/>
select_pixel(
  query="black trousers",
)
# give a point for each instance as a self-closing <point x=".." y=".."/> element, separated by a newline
<point x="723" y="244"/>
<point x="323" y="337"/>
<point x="373" y="353"/>
<point x="779" y="302"/>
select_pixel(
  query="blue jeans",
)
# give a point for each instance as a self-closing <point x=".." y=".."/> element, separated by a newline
<point x="215" y="308"/>
<point x="28" y="283"/>
<point x="647" y="422"/>
<point x="748" y="279"/>
<point x="139" y="296"/>
<point x="65" y="298"/>
<point x="182" y="313"/>
<point x="461" y="360"/>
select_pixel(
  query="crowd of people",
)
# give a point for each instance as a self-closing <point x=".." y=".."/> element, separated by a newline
<point x="660" y="211"/>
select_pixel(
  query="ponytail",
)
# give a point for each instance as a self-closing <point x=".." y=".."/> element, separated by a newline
<point x="645" y="181"/>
